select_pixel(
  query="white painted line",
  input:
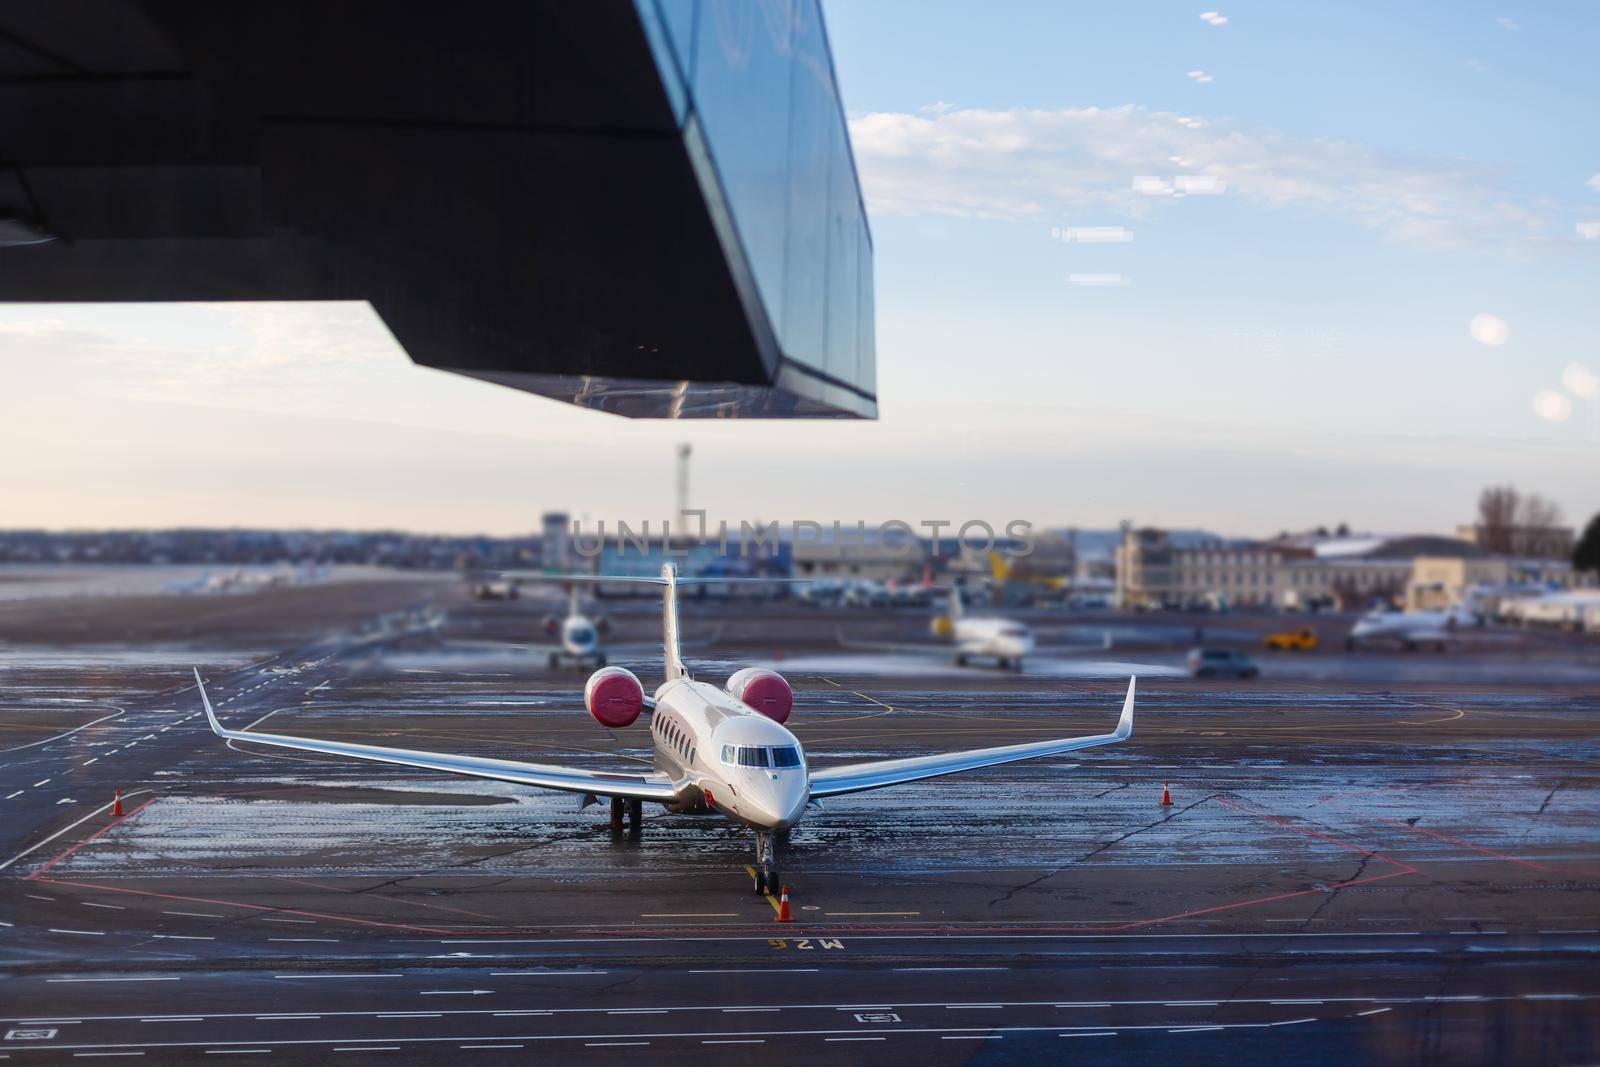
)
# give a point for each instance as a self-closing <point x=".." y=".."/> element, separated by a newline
<point x="729" y="1011"/>
<point x="274" y="1018"/>
<point x="637" y="1011"/>
<point x="971" y="1037"/>
<point x="18" y="793"/>
<point x="66" y="829"/>
<point x="319" y="940"/>
<point x="1193" y="1029"/>
<point x="293" y="976"/>
<point x="742" y="1041"/>
<point x="85" y="1054"/>
<point x="85" y="933"/>
<point x="612" y="1044"/>
<point x="182" y="937"/>
<point x="1292" y="1022"/>
<point x="196" y="914"/>
<point x="89" y="761"/>
<point x="113" y="907"/>
<point x="1092" y="1033"/>
<point x="233" y="1051"/>
<point x="369" y="1048"/>
<point x="853" y="1039"/>
<point x="544" y="974"/>
<point x="761" y="970"/>
<point x="410" y="1015"/>
<point x="1374" y="1011"/>
<point x="491" y="1046"/>
<point x="925" y="970"/>
<point x="175" y="1019"/>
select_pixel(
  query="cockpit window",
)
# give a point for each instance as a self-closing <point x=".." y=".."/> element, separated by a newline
<point x="750" y="756"/>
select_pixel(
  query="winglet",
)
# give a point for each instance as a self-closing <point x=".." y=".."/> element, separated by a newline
<point x="216" y="727"/>
<point x="1124" y="728"/>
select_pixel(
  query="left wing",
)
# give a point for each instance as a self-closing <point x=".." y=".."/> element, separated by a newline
<point x="859" y="777"/>
<point x="650" y="786"/>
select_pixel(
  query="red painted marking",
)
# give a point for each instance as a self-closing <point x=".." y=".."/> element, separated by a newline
<point x="91" y="837"/>
<point x="385" y="896"/>
<point x="1466" y="844"/>
<point x="255" y="907"/>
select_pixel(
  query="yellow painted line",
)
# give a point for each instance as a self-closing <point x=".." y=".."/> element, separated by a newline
<point x="872" y="912"/>
<point x="688" y="915"/>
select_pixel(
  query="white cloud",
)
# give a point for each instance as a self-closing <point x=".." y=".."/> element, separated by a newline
<point x="1212" y="18"/>
<point x="1580" y="381"/>
<point x="1507" y="24"/>
<point x="1098" y="280"/>
<point x="1594" y="183"/>
<point x="938" y="107"/>
<point x="1589" y="231"/>
<point x="1200" y="77"/>
<point x="1490" y="330"/>
<point x="1023" y="162"/>
<point x="1551" y="405"/>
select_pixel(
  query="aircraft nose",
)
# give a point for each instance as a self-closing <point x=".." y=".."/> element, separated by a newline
<point x="778" y="801"/>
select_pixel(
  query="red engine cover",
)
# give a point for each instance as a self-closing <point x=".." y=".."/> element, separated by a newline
<point x="613" y="696"/>
<point x="765" y="691"/>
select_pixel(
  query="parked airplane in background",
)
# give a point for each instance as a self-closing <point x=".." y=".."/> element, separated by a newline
<point x="971" y="638"/>
<point x="718" y="750"/>
<point x="1411" y="629"/>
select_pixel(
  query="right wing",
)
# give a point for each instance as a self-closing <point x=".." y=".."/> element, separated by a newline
<point x="649" y="786"/>
<point x="860" y="777"/>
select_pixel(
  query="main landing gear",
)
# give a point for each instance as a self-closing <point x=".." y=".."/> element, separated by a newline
<point x="634" y="810"/>
<point x="767" y="862"/>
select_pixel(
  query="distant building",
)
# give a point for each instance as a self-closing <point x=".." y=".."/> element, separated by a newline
<point x="1423" y="572"/>
<point x="855" y="552"/>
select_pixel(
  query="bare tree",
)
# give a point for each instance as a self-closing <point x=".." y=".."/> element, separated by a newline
<point x="1497" y="517"/>
<point x="1537" y="531"/>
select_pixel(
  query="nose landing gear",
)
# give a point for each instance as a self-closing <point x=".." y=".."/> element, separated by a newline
<point x="767" y="880"/>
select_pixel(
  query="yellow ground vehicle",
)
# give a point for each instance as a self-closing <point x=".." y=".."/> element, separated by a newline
<point x="1301" y="640"/>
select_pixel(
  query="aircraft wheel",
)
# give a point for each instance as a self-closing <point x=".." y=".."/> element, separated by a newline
<point x="555" y="661"/>
<point x="961" y="661"/>
<point x="761" y="883"/>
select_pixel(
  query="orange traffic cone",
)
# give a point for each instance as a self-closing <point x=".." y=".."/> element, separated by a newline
<point x="116" y="804"/>
<point x="783" y="907"/>
<point x="1166" y="796"/>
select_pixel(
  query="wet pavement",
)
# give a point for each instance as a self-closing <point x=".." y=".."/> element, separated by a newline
<point x="1378" y="856"/>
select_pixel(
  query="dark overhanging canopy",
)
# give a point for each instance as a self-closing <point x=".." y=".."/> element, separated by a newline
<point x="643" y="207"/>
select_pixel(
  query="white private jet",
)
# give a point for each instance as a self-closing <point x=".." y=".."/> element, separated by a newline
<point x="1411" y="629"/>
<point x="718" y="750"/>
<point x="971" y="638"/>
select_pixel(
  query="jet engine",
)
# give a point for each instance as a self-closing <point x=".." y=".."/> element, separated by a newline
<point x="613" y="696"/>
<point x="763" y="690"/>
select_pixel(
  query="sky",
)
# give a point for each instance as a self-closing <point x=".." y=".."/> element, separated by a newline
<point x="1259" y="268"/>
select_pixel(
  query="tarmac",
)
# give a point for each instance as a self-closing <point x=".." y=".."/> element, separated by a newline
<point x="1375" y="856"/>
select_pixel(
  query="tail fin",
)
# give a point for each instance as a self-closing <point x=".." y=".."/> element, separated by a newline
<point x="669" y="624"/>
<point x="955" y="603"/>
<point x="572" y="599"/>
